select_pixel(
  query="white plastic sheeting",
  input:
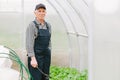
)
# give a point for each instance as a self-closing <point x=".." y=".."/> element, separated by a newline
<point x="74" y="15"/>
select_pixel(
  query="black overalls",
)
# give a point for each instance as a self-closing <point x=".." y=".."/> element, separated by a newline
<point x="42" y="54"/>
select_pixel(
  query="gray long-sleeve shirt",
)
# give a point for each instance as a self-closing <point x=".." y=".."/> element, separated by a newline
<point x="31" y="34"/>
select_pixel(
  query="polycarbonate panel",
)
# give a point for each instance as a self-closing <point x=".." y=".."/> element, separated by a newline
<point x="74" y="55"/>
<point x="83" y="49"/>
<point x="11" y="26"/>
<point x="63" y="15"/>
<point x="82" y="9"/>
<point x="73" y="16"/>
<point x="7" y="5"/>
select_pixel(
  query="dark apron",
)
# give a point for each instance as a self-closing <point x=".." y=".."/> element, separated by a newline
<point x="42" y="54"/>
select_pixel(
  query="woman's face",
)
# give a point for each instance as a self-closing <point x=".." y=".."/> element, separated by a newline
<point x="40" y="13"/>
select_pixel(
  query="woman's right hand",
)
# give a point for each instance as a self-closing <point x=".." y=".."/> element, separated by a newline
<point x="33" y="62"/>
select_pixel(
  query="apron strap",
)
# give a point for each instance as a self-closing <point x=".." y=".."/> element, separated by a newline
<point x="37" y="26"/>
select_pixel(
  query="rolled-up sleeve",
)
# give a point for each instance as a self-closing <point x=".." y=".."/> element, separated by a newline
<point x="30" y="36"/>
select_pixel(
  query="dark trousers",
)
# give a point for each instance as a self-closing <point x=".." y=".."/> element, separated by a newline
<point x="43" y="59"/>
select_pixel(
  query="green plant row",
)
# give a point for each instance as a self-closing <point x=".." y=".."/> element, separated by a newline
<point x="65" y="73"/>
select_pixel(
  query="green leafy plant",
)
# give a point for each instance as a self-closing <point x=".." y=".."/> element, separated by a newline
<point x="66" y="73"/>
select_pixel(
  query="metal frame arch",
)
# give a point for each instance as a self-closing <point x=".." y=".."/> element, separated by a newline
<point x="70" y="50"/>
<point x="74" y="34"/>
<point x="79" y="14"/>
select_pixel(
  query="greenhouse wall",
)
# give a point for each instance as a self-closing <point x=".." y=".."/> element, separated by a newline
<point x="106" y="40"/>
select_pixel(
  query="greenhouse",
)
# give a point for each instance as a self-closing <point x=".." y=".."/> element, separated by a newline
<point x="84" y="38"/>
